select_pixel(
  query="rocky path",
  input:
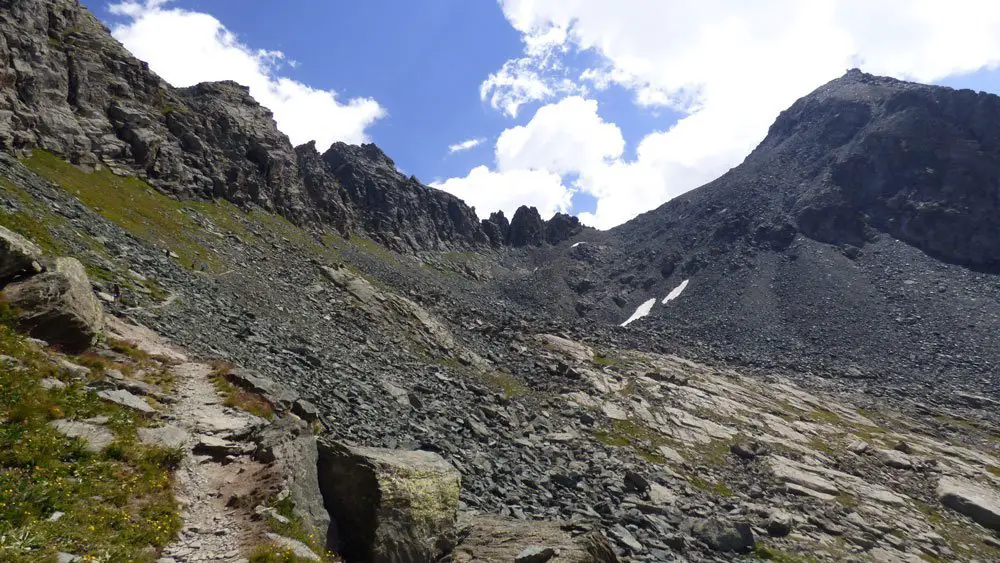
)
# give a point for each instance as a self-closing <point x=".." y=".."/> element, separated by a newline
<point x="211" y="475"/>
<point x="217" y="469"/>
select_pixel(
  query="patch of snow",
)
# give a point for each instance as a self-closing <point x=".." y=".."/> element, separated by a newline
<point x="676" y="292"/>
<point x="576" y="244"/>
<point x="640" y="312"/>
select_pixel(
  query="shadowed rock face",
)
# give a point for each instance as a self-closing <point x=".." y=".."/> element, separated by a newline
<point x="917" y="162"/>
<point x="399" y="211"/>
<point x="18" y="256"/>
<point x="527" y="228"/>
<point x="859" y="157"/>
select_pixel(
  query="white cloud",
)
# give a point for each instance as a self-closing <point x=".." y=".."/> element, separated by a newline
<point x="566" y="138"/>
<point x="465" y="145"/>
<point x="728" y="66"/>
<point x="513" y="86"/>
<point x="489" y="191"/>
<point x="186" y="48"/>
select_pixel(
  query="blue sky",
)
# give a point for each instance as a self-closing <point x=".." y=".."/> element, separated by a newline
<point x="596" y="108"/>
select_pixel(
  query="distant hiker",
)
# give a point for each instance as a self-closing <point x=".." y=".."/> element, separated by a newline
<point x="116" y="291"/>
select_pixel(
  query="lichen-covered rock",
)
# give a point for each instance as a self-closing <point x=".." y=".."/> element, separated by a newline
<point x="58" y="305"/>
<point x="18" y="255"/>
<point x="389" y="506"/>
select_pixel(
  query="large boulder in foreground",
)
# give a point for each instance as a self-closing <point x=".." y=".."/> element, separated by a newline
<point x="389" y="506"/>
<point x="58" y="306"/>
<point x="18" y="255"/>
<point x="973" y="500"/>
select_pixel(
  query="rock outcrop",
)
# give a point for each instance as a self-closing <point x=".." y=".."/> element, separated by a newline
<point x="973" y="500"/>
<point x="290" y="445"/>
<point x="397" y="210"/>
<point x="58" y="306"/>
<point x="526" y="228"/>
<point x="393" y="506"/>
<point x="18" y="256"/>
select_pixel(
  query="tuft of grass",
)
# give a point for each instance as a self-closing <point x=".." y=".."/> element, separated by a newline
<point x="604" y="360"/>
<point x="154" y="370"/>
<point x="714" y="453"/>
<point x="368" y="246"/>
<point x="97" y="363"/>
<point x="31" y="225"/>
<point x="847" y="500"/>
<point x="643" y="440"/>
<point x="271" y="553"/>
<point x="238" y="398"/>
<point x="129" y="350"/>
<point x="296" y="529"/>
<point x="826" y="416"/>
<point x="718" y="487"/>
<point x="160" y="377"/>
<point x="285" y="229"/>
<point x="506" y="383"/>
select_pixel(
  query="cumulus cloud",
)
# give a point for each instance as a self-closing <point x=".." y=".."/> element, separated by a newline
<point x="489" y="191"/>
<point x="465" y="145"/>
<point x="565" y="138"/>
<point x="728" y="66"/>
<point x="187" y="47"/>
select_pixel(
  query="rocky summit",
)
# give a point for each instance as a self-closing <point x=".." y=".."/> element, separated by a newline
<point x="215" y="346"/>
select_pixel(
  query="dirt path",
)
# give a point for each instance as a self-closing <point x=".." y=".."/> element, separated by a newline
<point x="217" y="470"/>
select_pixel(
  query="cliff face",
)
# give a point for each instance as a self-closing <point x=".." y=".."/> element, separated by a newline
<point x="920" y="163"/>
<point x="68" y="87"/>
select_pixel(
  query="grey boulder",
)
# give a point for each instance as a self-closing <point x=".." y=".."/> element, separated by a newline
<point x="58" y="306"/>
<point x="722" y="536"/>
<point x="289" y="444"/>
<point x="390" y="506"/>
<point x="18" y="255"/>
<point x="94" y="436"/>
<point x="973" y="500"/>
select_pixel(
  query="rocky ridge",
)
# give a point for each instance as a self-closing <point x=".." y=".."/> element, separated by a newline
<point x="71" y="89"/>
